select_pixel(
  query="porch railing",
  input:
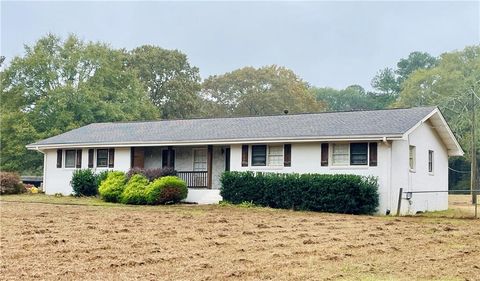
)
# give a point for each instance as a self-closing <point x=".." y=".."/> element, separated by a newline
<point x="195" y="179"/>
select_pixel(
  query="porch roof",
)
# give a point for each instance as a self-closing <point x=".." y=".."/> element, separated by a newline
<point x="335" y="125"/>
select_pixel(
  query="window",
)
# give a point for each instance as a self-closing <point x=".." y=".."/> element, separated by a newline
<point x="275" y="155"/>
<point x="70" y="158"/>
<point x="199" y="159"/>
<point x="259" y="155"/>
<point x="340" y="154"/>
<point x="102" y="158"/>
<point x="358" y="154"/>
<point x="430" y="161"/>
<point x="412" y="157"/>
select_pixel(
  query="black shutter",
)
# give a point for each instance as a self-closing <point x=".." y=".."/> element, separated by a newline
<point x="287" y="155"/>
<point x="244" y="155"/>
<point x="90" y="157"/>
<point x="111" y="157"/>
<point x="227" y="159"/>
<point x="172" y="159"/>
<point x="164" y="158"/>
<point x="79" y="159"/>
<point x="324" y="156"/>
<point x="59" y="158"/>
<point x="373" y="154"/>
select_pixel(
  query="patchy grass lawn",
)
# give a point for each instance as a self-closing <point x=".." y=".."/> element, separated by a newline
<point x="84" y="238"/>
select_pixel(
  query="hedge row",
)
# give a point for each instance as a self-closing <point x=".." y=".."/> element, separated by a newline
<point x="138" y="190"/>
<point x="350" y="194"/>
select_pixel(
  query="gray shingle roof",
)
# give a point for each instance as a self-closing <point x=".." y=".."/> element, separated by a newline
<point x="387" y="122"/>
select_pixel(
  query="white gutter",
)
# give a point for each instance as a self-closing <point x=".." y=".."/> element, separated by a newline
<point x="222" y="141"/>
<point x="44" y="167"/>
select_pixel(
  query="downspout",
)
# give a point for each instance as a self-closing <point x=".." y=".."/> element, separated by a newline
<point x="44" y="168"/>
<point x="387" y="144"/>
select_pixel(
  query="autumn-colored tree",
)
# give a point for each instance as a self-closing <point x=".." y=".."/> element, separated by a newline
<point x="257" y="91"/>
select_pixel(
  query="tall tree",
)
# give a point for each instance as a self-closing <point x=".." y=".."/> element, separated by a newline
<point x="389" y="81"/>
<point x="171" y="82"/>
<point x="256" y="91"/>
<point x="448" y="85"/>
<point x="59" y="85"/>
<point x="415" y="60"/>
<point x="353" y="97"/>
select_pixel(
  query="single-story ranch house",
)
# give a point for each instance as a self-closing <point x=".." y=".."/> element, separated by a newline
<point x="403" y="148"/>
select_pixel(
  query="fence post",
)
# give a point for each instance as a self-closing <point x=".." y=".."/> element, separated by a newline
<point x="476" y="204"/>
<point x="400" y="194"/>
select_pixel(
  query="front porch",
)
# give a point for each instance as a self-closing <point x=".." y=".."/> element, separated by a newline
<point x="199" y="166"/>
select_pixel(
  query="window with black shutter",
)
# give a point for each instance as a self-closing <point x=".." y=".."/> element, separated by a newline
<point x="259" y="155"/>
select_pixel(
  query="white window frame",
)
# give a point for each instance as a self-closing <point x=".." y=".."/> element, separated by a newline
<point x="193" y="159"/>
<point x="431" y="162"/>
<point x="96" y="157"/>
<point x="412" y="158"/>
<point x="281" y="155"/>
<point x="65" y="159"/>
<point x="332" y="147"/>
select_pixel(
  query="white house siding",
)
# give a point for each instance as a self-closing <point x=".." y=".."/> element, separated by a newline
<point x="306" y="159"/>
<point x="57" y="180"/>
<point x="425" y="138"/>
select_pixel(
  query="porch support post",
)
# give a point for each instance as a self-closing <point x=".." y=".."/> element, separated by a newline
<point x="209" y="165"/>
<point x="170" y="157"/>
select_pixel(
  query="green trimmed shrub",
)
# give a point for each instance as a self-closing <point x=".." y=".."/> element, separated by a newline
<point x="112" y="187"/>
<point x="349" y="194"/>
<point x="169" y="189"/>
<point x="100" y="177"/>
<point x="10" y="183"/>
<point x="84" y="182"/>
<point x="135" y="191"/>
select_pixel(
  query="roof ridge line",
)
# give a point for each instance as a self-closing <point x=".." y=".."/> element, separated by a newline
<point x="260" y="116"/>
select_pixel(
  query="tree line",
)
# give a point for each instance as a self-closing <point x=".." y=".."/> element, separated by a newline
<point x="61" y="84"/>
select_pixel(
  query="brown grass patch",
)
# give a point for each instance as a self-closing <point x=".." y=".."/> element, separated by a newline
<point x="71" y="242"/>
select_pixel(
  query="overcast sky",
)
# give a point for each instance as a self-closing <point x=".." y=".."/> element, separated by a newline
<point x="327" y="43"/>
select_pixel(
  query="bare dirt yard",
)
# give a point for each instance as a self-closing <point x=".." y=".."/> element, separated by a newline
<point x="58" y="239"/>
